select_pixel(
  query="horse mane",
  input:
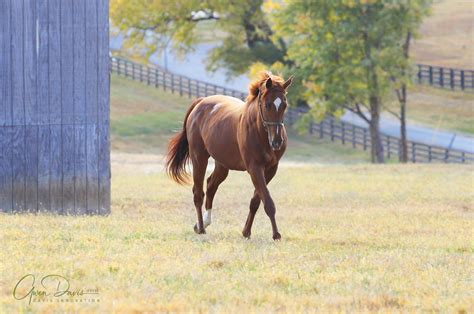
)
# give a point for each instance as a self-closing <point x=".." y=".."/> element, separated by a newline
<point x="254" y="87"/>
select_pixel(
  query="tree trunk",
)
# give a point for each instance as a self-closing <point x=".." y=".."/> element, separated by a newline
<point x="374" y="127"/>
<point x="403" y="126"/>
<point x="403" y="103"/>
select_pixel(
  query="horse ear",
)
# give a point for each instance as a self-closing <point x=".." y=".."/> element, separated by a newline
<point x="288" y="82"/>
<point x="268" y="83"/>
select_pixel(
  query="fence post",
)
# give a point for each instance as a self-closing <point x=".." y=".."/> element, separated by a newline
<point x="413" y="152"/>
<point x="430" y="69"/>
<point x="343" y="130"/>
<point x="126" y="69"/>
<point x="148" y="75"/>
<point x="189" y="88"/>
<point x="118" y="66"/>
<point x="180" y="85"/>
<point x="365" y="139"/>
<point x="172" y="83"/>
<point x="156" y="79"/>
<point x="463" y="157"/>
<point x="446" y="155"/>
<point x="388" y="147"/>
<point x="353" y="137"/>
<point x="441" y="77"/>
<point x="462" y="79"/>
<point x="451" y="76"/>
<point x="419" y="73"/>
<point x="331" y="124"/>
<point x="141" y="73"/>
<point x="429" y="153"/>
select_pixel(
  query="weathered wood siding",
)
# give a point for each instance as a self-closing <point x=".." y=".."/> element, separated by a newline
<point x="54" y="106"/>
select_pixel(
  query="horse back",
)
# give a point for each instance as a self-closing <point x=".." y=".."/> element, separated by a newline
<point x="214" y="124"/>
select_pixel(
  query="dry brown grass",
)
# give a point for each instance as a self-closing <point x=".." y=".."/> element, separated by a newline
<point x="358" y="238"/>
<point x="447" y="36"/>
<point x="438" y="108"/>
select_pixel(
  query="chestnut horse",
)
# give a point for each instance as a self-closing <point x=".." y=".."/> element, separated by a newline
<point x="240" y="136"/>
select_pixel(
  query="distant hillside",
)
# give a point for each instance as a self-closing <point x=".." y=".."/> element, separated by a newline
<point x="447" y="36"/>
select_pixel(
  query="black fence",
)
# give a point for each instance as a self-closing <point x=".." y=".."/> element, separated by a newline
<point x="335" y="130"/>
<point x="359" y="137"/>
<point x="168" y="81"/>
<point x="445" y="77"/>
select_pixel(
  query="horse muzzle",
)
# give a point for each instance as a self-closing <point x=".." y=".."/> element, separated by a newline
<point x="276" y="144"/>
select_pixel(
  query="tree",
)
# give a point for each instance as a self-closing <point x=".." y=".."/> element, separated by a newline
<point x="247" y="42"/>
<point x="247" y="36"/>
<point x="412" y="13"/>
<point x="348" y="53"/>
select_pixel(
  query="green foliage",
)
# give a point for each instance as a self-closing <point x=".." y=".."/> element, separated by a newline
<point x="347" y="51"/>
<point x="150" y="26"/>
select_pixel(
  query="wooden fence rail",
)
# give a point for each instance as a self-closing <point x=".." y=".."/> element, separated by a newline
<point x="359" y="137"/>
<point x="335" y="130"/>
<point x="445" y="77"/>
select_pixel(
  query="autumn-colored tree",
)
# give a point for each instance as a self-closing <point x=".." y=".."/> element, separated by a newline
<point x="247" y="37"/>
<point x="349" y="54"/>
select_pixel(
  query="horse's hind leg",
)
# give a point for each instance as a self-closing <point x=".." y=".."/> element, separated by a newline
<point x="199" y="162"/>
<point x="215" y="179"/>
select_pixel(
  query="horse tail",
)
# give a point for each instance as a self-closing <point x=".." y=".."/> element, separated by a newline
<point x="178" y="151"/>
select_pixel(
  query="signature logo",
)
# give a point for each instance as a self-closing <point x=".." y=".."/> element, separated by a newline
<point x="51" y="287"/>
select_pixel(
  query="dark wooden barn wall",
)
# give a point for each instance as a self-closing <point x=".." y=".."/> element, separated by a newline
<point x="54" y="106"/>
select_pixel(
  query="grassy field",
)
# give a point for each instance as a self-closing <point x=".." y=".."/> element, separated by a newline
<point x="355" y="238"/>
<point x="447" y="35"/>
<point x="438" y="108"/>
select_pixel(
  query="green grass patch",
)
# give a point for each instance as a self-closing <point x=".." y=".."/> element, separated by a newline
<point x="147" y="124"/>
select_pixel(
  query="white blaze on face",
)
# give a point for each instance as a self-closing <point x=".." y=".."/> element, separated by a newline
<point x="207" y="218"/>
<point x="215" y="108"/>
<point x="277" y="103"/>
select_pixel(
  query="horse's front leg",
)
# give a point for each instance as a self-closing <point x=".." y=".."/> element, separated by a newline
<point x="257" y="174"/>
<point x="255" y="203"/>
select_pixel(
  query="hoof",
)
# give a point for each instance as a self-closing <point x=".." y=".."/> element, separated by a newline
<point x="246" y="234"/>
<point x="277" y="236"/>
<point x="203" y="231"/>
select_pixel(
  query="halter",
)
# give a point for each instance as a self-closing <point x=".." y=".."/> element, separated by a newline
<point x="265" y="122"/>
